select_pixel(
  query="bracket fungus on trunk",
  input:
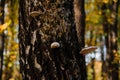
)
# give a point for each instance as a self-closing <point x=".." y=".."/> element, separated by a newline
<point x="87" y="50"/>
<point x="34" y="13"/>
<point x="55" y="45"/>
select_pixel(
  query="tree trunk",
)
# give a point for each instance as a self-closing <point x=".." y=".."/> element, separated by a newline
<point x="103" y="71"/>
<point x="49" y="48"/>
<point x="113" y="61"/>
<point x="80" y="29"/>
<point x="2" y="36"/>
<point x="106" y="31"/>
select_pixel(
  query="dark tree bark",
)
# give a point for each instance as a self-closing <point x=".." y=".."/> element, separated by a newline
<point x="49" y="46"/>
<point x="113" y="62"/>
<point x="80" y="28"/>
<point x="2" y="36"/>
<point x="110" y="30"/>
<point x="106" y="31"/>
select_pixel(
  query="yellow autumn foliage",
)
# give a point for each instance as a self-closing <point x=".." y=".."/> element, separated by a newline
<point x="115" y="0"/>
<point x="4" y="26"/>
<point x="0" y="14"/>
<point x="105" y="1"/>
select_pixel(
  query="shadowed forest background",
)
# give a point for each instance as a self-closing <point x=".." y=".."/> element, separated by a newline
<point x="29" y="27"/>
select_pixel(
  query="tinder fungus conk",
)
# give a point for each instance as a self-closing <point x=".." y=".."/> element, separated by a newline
<point x="55" y="45"/>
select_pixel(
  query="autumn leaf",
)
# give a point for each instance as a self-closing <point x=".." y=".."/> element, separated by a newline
<point x="4" y="26"/>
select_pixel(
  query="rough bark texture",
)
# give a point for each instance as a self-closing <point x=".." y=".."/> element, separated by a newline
<point x="80" y="20"/>
<point x="55" y="23"/>
<point x="110" y="30"/>
<point x="79" y="13"/>
<point x="2" y="36"/>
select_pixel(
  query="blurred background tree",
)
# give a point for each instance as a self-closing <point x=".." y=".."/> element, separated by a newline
<point x="102" y="30"/>
<point x="2" y="35"/>
<point x="9" y="29"/>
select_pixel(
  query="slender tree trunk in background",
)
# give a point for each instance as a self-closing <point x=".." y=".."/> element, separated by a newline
<point x="106" y="32"/>
<point x="43" y="22"/>
<point x="111" y="41"/>
<point x="2" y="36"/>
<point x="102" y="41"/>
<point x="10" y="40"/>
<point x="113" y="57"/>
<point x="91" y="38"/>
<point x="92" y="66"/>
<point x="80" y="28"/>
